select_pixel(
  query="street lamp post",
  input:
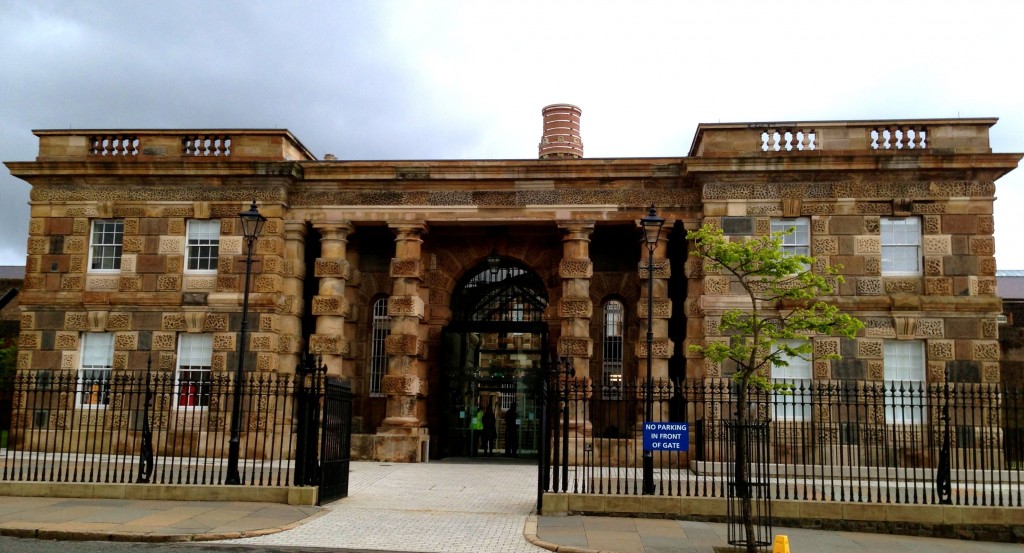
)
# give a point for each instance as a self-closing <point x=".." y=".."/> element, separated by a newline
<point x="651" y="224"/>
<point x="252" y="224"/>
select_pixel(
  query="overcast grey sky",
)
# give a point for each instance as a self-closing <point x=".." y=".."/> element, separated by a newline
<point x="465" y="80"/>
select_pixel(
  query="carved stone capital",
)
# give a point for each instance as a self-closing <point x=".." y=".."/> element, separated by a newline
<point x="408" y="231"/>
<point x="335" y="230"/>
<point x="576" y="230"/>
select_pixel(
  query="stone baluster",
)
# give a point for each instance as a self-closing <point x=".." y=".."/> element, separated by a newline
<point x="575" y="309"/>
<point x="291" y="288"/>
<point x="329" y="305"/>
<point x="406" y="345"/>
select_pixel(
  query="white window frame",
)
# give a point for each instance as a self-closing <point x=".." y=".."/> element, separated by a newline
<point x="797" y="242"/>
<point x="904" y="369"/>
<point x="106" y="245"/>
<point x="794" y="405"/>
<point x="380" y="327"/>
<point x="195" y="358"/>
<point x="202" y="237"/>
<point x="901" y="242"/>
<point x="612" y="344"/>
<point x="96" y="363"/>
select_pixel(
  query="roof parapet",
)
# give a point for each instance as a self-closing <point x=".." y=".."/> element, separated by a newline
<point x="903" y="136"/>
<point x="171" y="145"/>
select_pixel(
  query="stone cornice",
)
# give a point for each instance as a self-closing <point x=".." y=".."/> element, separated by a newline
<point x="800" y="165"/>
<point x="532" y="171"/>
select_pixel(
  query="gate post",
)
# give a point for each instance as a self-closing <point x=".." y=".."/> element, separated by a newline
<point x="146" y="448"/>
<point x="308" y="373"/>
<point x="543" y="459"/>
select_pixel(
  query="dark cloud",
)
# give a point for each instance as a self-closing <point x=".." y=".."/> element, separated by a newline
<point x="406" y="80"/>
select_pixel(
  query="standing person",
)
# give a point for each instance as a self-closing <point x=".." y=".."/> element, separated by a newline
<point x="511" y="431"/>
<point x="490" y="429"/>
<point x="476" y="427"/>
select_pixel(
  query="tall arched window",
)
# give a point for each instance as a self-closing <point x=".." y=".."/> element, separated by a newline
<point x="611" y="358"/>
<point x="380" y="325"/>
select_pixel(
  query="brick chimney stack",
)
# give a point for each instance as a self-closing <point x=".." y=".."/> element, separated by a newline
<point x="561" y="137"/>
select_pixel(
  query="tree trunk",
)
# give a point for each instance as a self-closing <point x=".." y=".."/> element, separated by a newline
<point x="742" y="473"/>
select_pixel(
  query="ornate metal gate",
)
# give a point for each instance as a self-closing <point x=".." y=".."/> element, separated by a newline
<point x="323" y="417"/>
<point x="335" y="440"/>
<point x="494" y="349"/>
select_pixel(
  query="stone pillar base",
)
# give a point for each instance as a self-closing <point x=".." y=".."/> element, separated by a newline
<point x="391" y="425"/>
<point x="404" y="445"/>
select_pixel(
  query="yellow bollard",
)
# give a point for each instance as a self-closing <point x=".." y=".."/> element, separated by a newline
<point x="781" y="544"/>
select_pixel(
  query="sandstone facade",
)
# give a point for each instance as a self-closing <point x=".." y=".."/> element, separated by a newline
<point x="342" y="235"/>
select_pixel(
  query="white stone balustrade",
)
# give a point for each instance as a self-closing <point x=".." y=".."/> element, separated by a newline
<point x="788" y="139"/>
<point x="900" y="137"/>
<point x="158" y="145"/>
<point x="216" y="145"/>
<point x="114" y="145"/>
<point x="810" y="138"/>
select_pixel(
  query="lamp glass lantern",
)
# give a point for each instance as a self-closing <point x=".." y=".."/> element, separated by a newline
<point x="493" y="262"/>
<point x="252" y="222"/>
<point x="652" y="224"/>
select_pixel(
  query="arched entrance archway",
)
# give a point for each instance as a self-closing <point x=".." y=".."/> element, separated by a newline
<point x="492" y="355"/>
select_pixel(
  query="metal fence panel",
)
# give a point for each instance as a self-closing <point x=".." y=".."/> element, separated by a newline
<point x="872" y="442"/>
<point x="141" y="426"/>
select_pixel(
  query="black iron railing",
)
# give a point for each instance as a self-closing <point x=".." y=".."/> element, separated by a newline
<point x="148" y="427"/>
<point x="877" y="442"/>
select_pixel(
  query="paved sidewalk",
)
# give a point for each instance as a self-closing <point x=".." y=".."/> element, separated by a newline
<point x="138" y="520"/>
<point x="461" y="506"/>
<point x="630" y="535"/>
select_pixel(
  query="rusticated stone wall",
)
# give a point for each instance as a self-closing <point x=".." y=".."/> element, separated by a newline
<point x="951" y="306"/>
<point x="152" y="297"/>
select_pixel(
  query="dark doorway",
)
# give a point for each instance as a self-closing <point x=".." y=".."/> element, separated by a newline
<point x="492" y="361"/>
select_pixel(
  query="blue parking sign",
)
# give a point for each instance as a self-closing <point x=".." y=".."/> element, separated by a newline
<point x="666" y="436"/>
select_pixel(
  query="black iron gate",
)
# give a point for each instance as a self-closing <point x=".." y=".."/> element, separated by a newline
<point x="553" y="452"/>
<point x="324" y="418"/>
<point x="335" y="441"/>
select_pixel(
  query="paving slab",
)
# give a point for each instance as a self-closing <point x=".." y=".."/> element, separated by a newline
<point x="459" y="506"/>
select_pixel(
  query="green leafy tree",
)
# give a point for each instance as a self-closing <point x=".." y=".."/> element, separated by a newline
<point x="785" y="309"/>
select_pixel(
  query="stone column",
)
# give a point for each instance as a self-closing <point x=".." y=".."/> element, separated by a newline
<point x="294" y="273"/>
<point x="698" y="326"/>
<point x="662" y="310"/>
<point x="575" y="310"/>
<point x="329" y="305"/>
<point x="402" y="435"/>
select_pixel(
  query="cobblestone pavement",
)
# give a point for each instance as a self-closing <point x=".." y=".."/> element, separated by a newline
<point x="462" y="506"/>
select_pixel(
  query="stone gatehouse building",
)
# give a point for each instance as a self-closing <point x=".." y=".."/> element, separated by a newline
<point x="433" y="284"/>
